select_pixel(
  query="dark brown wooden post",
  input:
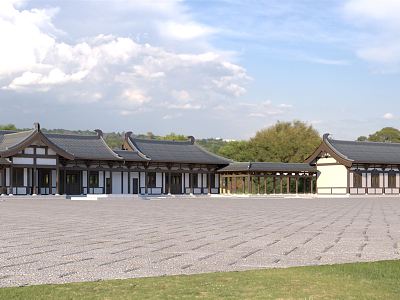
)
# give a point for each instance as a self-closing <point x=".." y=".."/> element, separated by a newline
<point x="146" y="182"/>
<point x="274" y="183"/>
<point x="57" y="178"/>
<point x="288" y="184"/>
<point x="129" y="180"/>
<point x="258" y="185"/>
<point x="169" y="182"/>
<point x="312" y="185"/>
<point x="3" y="182"/>
<point x="209" y="182"/>
<point x="281" y="183"/>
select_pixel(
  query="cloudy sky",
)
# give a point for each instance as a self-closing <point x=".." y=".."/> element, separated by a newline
<point x="221" y="68"/>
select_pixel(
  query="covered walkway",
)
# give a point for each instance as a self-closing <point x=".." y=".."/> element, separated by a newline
<point x="268" y="178"/>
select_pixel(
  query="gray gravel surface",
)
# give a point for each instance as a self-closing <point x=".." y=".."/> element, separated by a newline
<point x="58" y="241"/>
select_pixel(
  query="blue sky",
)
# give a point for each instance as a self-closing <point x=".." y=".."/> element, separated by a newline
<point x="204" y="68"/>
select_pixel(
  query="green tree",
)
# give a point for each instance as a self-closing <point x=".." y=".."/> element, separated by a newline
<point x="284" y="142"/>
<point x="174" y="137"/>
<point x="362" y="138"/>
<point x="386" y="135"/>
<point x="236" y="150"/>
<point x="8" y="127"/>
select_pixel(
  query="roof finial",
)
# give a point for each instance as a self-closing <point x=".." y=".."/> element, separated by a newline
<point x="99" y="133"/>
<point x="326" y="136"/>
<point x="192" y="139"/>
<point x="37" y="126"/>
<point x="128" y="134"/>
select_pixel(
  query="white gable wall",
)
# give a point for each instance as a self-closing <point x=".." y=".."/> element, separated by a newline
<point x="332" y="176"/>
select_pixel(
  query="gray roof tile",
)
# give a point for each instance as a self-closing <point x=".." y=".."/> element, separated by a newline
<point x="9" y="140"/>
<point x="130" y="155"/>
<point x="368" y="152"/>
<point x="176" y="151"/>
<point x="268" y="167"/>
<point x="83" y="146"/>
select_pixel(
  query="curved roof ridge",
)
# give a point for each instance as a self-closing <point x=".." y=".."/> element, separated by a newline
<point x="74" y="135"/>
<point x="161" y="141"/>
<point x="108" y="147"/>
<point x="368" y="142"/>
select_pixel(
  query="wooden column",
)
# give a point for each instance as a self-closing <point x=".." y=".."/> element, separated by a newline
<point x="244" y="185"/>
<point x="104" y="182"/>
<point x="258" y="185"/>
<point x="281" y="183"/>
<point x="57" y="178"/>
<point x="169" y="183"/>
<point x="209" y="182"/>
<point x="265" y="185"/>
<point x="65" y="182"/>
<point x="192" y="184"/>
<point x="297" y="184"/>
<point x="304" y="185"/>
<point x="3" y="182"/>
<point x="51" y="182"/>
<point x="11" y="180"/>
<point x="250" y="186"/>
<point x="202" y="188"/>
<point x="274" y="184"/>
<point x="288" y="184"/>
<point x="145" y="182"/>
<point x="312" y="185"/>
<point x="129" y="180"/>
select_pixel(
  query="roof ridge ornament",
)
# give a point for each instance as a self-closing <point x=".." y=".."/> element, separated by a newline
<point x="192" y="139"/>
<point x="37" y="126"/>
<point x="128" y="134"/>
<point x="326" y="136"/>
<point x="99" y="133"/>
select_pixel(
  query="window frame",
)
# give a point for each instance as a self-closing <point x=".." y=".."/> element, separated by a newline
<point x="375" y="180"/>
<point x="151" y="179"/>
<point x="392" y="180"/>
<point x="93" y="179"/>
<point x="357" y="180"/>
<point x="18" y="181"/>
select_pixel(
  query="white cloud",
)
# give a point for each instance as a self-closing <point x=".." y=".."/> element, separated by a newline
<point x="123" y="73"/>
<point x="379" y="22"/>
<point x="186" y="31"/>
<point x="388" y="116"/>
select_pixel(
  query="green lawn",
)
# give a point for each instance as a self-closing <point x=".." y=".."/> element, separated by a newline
<point x="377" y="280"/>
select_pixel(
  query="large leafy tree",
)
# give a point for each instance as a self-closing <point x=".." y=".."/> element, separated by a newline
<point x="284" y="142"/>
<point x="386" y="135"/>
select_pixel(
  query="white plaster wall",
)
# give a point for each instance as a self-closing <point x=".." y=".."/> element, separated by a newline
<point x="142" y="179"/>
<point x="84" y="179"/>
<point x="158" y="179"/>
<point x="125" y="178"/>
<point x="364" y="179"/>
<point x="46" y="161"/>
<point x="8" y="176"/>
<point x="381" y="180"/>
<point x="116" y="182"/>
<point x="25" y="176"/>
<point x="41" y="151"/>
<point x="351" y="179"/>
<point x="187" y="180"/>
<point x="386" y="180"/>
<point x="398" y="180"/>
<point x="217" y="181"/>
<point x="22" y="161"/>
<point x="101" y="179"/>
<point x="331" y="176"/>
<point x="54" y="178"/>
<point x="205" y="180"/>
<point x="29" y="150"/>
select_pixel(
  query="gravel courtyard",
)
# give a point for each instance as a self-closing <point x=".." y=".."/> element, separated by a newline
<point x="57" y="241"/>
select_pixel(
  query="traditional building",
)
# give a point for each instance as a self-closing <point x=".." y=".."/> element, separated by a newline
<point x="346" y="167"/>
<point x="33" y="162"/>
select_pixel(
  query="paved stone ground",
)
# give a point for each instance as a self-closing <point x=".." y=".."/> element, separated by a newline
<point x="56" y="241"/>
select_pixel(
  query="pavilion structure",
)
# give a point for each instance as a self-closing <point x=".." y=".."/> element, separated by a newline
<point x="264" y="178"/>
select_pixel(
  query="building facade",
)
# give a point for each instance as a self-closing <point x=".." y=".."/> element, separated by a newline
<point x="33" y="162"/>
<point x="36" y="163"/>
<point x="356" y="168"/>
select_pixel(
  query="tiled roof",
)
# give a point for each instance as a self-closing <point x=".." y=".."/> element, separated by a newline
<point x="83" y="146"/>
<point x="367" y="152"/>
<point x="4" y="161"/>
<point x="12" y="139"/>
<point x="176" y="151"/>
<point x="131" y="155"/>
<point x="268" y="167"/>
